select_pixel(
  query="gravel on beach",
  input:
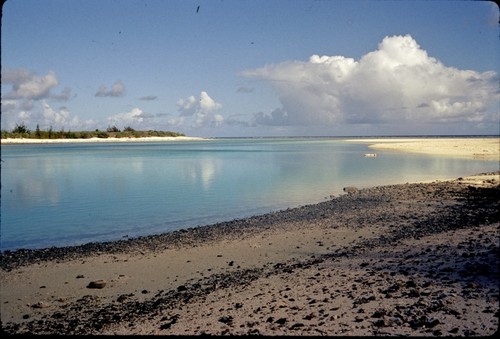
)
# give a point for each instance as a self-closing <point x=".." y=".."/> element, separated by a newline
<point x="410" y="259"/>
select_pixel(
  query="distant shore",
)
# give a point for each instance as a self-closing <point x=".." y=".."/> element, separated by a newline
<point x="471" y="148"/>
<point x="483" y="148"/>
<point x="95" y="140"/>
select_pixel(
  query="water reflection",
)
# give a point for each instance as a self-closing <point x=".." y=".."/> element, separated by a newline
<point x="200" y="172"/>
<point x="54" y="194"/>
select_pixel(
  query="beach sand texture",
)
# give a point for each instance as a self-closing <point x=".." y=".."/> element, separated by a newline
<point x="412" y="259"/>
<point x="472" y="148"/>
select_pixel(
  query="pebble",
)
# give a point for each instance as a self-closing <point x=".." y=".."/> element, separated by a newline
<point x="362" y="208"/>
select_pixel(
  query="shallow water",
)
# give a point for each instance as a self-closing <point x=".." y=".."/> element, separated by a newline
<point x="70" y="194"/>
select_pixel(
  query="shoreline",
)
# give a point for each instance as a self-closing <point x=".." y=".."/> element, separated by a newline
<point x="261" y="275"/>
<point x="233" y="277"/>
<point x="479" y="148"/>
<point x="471" y="148"/>
<point x="97" y="140"/>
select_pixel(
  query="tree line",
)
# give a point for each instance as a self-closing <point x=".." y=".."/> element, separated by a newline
<point x="22" y="131"/>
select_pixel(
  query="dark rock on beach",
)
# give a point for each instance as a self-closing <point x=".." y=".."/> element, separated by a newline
<point x="434" y="270"/>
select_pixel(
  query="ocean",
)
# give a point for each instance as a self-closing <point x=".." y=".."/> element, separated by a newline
<point x="75" y="193"/>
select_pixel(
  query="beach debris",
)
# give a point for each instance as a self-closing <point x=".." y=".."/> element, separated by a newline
<point x="171" y="320"/>
<point x="382" y="295"/>
<point x="97" y="284"/>
<point x="40" y="304"/>
<point x="350" y="189"/>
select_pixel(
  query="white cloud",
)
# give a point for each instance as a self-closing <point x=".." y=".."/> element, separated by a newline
<point x="217" y="120"/>
<point x="135" y="119"/>
<point x="116" y="90"/>
<point x="187" y="106"/>
<point x="42" y="114"/>
<point x="58" y="118"/>
<point x="28" y="99"/>
<point x="65" y="95"/>
<point x="207" y="104"/>
<point x="202" y="112"/>
<point x="396" y="83"/>
<point x="29" y="86"/>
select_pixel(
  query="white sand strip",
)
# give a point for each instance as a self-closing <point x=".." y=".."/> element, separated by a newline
<point x="94" y="140"/>
<point x="475" y="148"/>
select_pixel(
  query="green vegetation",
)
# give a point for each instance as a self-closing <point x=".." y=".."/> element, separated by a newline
<point x="21" y="131"/>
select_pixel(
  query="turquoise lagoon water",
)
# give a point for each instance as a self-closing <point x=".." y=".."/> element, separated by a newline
<point x="71" y="194"/>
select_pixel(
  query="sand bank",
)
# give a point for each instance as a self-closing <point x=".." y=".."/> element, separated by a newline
<point x="413" y="259"/>
<point x="471" y="148"/>
<point x="93" y="140"/>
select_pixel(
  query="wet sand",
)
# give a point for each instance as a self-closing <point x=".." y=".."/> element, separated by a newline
<point x="412" y="259"/>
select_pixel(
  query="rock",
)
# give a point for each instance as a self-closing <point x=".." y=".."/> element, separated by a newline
<point x="97" y="284"/>
<point x="296" y="325"/>
<point x="358" y="319"/>
<point x="431" y="322"/>
<point x="309" y="316"/>
<point x="121" y="298"/>
<point x="281" y="321"/>
<point x="40" y="304"/>
<point x="226" y="319"/>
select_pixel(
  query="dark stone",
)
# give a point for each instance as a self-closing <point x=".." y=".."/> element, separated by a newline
<point x="296" y="325"/>
<point x="281" y="321"/>
<point x="98" y="284"/>
<point x="226" y="319"/>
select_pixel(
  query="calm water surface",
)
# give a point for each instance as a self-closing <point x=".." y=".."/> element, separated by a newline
<point x="70" y="194"/>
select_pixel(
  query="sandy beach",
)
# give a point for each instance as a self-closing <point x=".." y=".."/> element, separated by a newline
<point x="94" y="140"/>
<point x="472" y="148"/>
<point x="417" y="259"/>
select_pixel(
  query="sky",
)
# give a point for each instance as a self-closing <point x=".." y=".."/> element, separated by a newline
<point x="252" y="68"/>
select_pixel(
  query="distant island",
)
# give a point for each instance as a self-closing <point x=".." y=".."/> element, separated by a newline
<point x="22" y="132"/>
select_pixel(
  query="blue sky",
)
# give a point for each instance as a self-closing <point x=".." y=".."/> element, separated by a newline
<point x="220" y="68"/>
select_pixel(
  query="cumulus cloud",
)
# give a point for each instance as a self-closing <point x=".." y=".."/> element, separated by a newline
<point x="238" y="120"/>
<point x="28" y="100"/>
<point x="278" y="117"/>
<point x="27" y="85"/>
<point x="116" y="90"/>
<point x="41" y="113"/>
<point x="202" y="112"/>
<point x="65" y="95"/>
<point x="59" y="119"/>
<point x="135" y="118"/>
<point x="398" y="82"/>
<point x="187" y="106"/>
